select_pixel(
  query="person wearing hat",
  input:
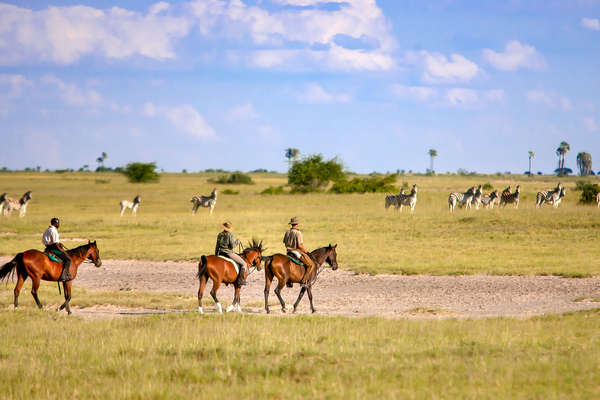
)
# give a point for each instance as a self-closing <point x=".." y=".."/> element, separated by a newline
<point x="51" y="240"/>
<point x="295" y="248"/>
<point x="225" y="245"/>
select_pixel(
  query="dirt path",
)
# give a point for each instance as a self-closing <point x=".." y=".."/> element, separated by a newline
<point x="345" y="293"/>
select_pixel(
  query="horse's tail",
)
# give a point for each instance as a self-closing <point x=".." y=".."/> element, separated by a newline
<point x="8" y="269"/>
<point x="202" y="267"/>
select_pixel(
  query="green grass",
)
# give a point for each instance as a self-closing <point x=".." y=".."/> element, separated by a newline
<point x="370" y="239"/>
<point x="47" y="355"/>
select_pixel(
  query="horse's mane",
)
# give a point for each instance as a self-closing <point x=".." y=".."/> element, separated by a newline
<point x="256" y="245"/>
<point x="80" y="250"/>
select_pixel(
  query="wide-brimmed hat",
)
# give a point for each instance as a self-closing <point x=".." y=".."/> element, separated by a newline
<point x="227" y="225"/>
<point x="294" y="221"/>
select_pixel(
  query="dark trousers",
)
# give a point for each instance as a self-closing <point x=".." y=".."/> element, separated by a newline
<point x="54" y="249"/>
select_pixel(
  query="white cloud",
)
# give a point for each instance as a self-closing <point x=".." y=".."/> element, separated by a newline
<point x="315" y="94"/>
<point x="63" y="35"/>
<point x="11" y="87"/>
<point x="591" y="124"/>
<point x="451" y="97"/>
<point x="591" y="23"/>
<point x="549" y="99"/>
<point x="437" y="68"/>
<point x="515" y="56"/>
<point x="183" y="117"/>
<point x="244" y="112"/>
<point x="462" y="96"/>
<point x="420" y="93"/>
<point x="73" y="95"/>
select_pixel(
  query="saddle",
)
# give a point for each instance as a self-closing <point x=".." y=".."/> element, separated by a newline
<point x="51" y="255"/>
<point x="295" y="257"/>
<point x="229" y="260"/>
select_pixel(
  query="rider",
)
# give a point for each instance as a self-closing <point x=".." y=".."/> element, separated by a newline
<point x="294" y="244"/>
<point x="225" y="246"/>
<point x="52" y="242"/>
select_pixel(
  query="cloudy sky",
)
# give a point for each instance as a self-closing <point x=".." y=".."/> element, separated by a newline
<point x="230" y="83"/>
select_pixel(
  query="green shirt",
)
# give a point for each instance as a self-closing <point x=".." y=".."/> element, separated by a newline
<point x="225" y="243"/>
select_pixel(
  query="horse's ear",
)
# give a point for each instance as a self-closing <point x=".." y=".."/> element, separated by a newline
<point x="89" y="241"/>
<point x="329" y="245"/>
<point x="335" y="245"/>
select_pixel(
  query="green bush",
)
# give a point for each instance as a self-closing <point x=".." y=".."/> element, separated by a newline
<point x="229" y="191"/>
<point x="312" y="173"/>
<point x="273" y="190"/>
<point x="236" y="178"/>
<point x="487" y="186"/>
<point x="589" y="191"/>
<point x="364" y="185"/>
<point x="139" y="172"/>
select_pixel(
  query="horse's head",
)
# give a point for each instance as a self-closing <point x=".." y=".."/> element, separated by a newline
<point x="93" y="254"/>
<point x="253" y="253"/>
<point x="332" y="256"/>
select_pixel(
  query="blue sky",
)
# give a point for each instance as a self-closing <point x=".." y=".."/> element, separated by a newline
<point x="230" y="84"/>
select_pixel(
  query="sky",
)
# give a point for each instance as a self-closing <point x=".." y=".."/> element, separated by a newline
<point x="231" y="84"/>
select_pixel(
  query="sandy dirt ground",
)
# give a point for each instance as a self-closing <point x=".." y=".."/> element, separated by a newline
<point x="343" y="293"/>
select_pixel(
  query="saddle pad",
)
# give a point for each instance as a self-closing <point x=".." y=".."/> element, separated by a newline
<point x="53" y="257"/>
<point x="237" y="268"/>
<point x="294" y="260"/>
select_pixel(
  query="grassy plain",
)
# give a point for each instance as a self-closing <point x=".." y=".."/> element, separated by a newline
<point x="45" y="355"/>
<point x="524" y="241"/>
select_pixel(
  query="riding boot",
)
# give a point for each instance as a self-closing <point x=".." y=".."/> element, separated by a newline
<point x="65" y="275"/>
<point x="240" y="279"/>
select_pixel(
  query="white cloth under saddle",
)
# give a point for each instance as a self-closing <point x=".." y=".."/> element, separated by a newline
<point x="296" y="253"/>
<point x="235" y="265"/>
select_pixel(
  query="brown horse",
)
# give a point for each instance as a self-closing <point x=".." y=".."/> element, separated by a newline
<point x="288" y="273"/>
<point x="38" y="266"/>
<point x="221" y="271"/>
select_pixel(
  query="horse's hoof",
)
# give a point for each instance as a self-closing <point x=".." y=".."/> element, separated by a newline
<point x="314" y="311"/>
<point x="284" y="310"/>
<point x="268" y="311"/>
<point x="200" y="310"/>
<point x="219" y="308"/>
<point x="230" y="308"/>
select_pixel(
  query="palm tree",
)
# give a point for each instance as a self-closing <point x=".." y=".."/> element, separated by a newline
<point x="561" y="151"/>
<point x="531" y="157"/>
<point x="291" y="154"/>
<point x="432" y="154"/>
<point x="584" y="163"/>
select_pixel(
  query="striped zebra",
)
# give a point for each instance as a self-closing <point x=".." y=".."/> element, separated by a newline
<point x="465" y="198"/>
<point x="548" y="196"/>
<point x="133" y="205"/>
<point x="409" y="200"/>
<point x="9" y="204"/>
<point x="511" y="198"/>
<point x="477" y="196"/>
<point x="204" y="201"/>
<point x="553" y="198"/>
<point x="392" y="199"/>
<point x="489" y="201"/>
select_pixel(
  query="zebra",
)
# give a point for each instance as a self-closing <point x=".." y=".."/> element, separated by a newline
<point x="465" y="198"/>
<point x="125" y="204"/>
<point x="204" y="201"/>
<point x="510" y="198"/>
<point x="553" y="198"/>
<point x="489" y="201"/>
<point x="408" y="199"/>
<point x="2" y="198"/>
<point x="477" y="197"/>
<point x="9" y="204"/>
<point x="547" y="196"/>
<point x="392" y="199"/>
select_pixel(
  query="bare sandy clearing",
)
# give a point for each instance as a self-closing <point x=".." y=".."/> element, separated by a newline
<point x="345" y="293"/>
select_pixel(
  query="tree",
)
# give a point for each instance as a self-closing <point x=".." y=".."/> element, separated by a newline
<point x="432" y="154"/>
<point x="531" y="157"/>
<point x="584" y="163"/>
<point x="311" y="173"/>
<point x="100" y="160"/>
<point x="141" y="172"/>
<point x="291" y="154"/>
<point x="561" y="151"/>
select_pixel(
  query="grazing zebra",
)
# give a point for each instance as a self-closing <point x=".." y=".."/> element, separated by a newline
<point x="477" y="197"/>
<point x="511" y="198"/>
<point x="489" y="201"/>
<point x="553" y="198"/>
<point x="465" y="198"/>
<point x="408" y="199"/>
<point x="392" y="199"/>
<point x="125" y="204"/>
<point x="204" y="201"/>
<point x="9" y="204"/>
<point x="547" y="196"/>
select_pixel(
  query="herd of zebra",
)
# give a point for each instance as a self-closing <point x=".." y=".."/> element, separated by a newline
<point x="474" y="196"/>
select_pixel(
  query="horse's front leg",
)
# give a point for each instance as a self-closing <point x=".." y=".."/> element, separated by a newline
<point x="66" y="304"/>
<point x="235" y="305"/>
<point x="299" y="298"/>
<point x="312" y="308"/>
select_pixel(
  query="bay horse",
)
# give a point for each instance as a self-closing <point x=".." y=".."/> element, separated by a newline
<point x="36" y="265"/>
<point x="221" y="271"/>
<point x="288" y="273"/>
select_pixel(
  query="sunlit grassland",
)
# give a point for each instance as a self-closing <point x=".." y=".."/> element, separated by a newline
<point x="48" y="355"/>
<point x="370" y="239"/>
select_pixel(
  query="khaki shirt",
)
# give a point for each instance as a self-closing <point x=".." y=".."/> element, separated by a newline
<point x="225" y="243"/>
<point x="292" y="239"/>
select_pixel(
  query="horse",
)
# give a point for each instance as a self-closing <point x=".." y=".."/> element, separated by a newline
<point x="288" y="273"/>
<point x="38" y="266"/>
<point x="222" y="271"/>
<point x="126" y="204"/>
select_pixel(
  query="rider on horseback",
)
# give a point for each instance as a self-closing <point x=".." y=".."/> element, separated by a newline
<point x="295" y="248"/>
<point x="53" y="246"/>
<point x="225" y="245"/>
